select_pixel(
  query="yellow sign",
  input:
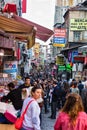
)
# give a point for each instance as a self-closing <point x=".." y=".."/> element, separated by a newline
<point x="78" y="24"/>
<point x="60" y="60"/>
<point x="58" y="45"/>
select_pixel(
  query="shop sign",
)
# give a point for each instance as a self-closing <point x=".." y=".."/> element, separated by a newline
<point x="80" y="59"/>
<point x="74" y="53"/>
<point x="66" y="67"/>
<point x="78" y="24"/>
<point x="58" y="45"/>
<point x="10" y="67"/>
<point x="61" y="68"/>
<point x="60" y="32"/>
<point x="59" y="38"/>
<point x="60" y="60"/>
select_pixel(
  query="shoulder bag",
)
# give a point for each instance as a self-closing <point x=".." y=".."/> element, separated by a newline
<point x="19" y="121"/>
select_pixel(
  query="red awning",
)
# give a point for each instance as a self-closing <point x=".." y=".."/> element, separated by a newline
<point x="42" y="33"/>
<point x="11" y="28"/>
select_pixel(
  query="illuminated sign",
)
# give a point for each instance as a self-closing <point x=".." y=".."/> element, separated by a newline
<point x="78" y="24"/>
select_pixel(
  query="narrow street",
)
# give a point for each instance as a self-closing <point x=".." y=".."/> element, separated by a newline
<point x="47" y="123"/>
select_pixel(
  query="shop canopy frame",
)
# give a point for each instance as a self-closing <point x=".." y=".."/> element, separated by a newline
<point x="42" y="33"/>
<point x="22" y="29"/>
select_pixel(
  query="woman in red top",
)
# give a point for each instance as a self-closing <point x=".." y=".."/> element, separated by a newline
<point x="72" y="115"/>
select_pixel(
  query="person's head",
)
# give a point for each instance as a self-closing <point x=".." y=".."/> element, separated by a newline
<point x="36" y="92"/>
<point x="11" y="86"/>
<point x="35" y="84"/>
<point x="73" y="106"/>
<point x="27" y="80"/>
<point x="54" y="83"/>
<point x="80" y="81"/>
<point x="75" y="84"/>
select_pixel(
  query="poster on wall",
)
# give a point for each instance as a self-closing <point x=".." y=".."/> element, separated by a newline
<point x="10" y="67"/>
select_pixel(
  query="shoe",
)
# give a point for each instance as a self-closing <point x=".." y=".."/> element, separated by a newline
<point x="53" y="117"/>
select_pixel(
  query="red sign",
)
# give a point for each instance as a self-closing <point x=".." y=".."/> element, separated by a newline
<point x="24" y="3"/>
<point x="60" y="32"/>
<point x="85" y="62"/>
<point x="79" y="59"/>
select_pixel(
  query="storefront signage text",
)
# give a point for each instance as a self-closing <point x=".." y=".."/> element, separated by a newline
<point x="78" y="24"/>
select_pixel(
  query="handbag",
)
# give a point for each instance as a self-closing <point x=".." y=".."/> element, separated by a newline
<point x="19" y="121"/>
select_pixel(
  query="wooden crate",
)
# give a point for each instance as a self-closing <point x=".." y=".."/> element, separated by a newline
<point x="7" y="127"/>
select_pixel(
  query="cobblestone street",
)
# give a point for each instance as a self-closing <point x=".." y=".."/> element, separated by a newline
<point x="47" y="123"/>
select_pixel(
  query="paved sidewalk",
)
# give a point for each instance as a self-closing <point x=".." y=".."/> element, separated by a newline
<point x="47" y="123"/>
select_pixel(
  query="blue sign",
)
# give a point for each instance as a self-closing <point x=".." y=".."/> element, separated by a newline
<point x="59" y="40"/>
<point x="74" y="53"/>
<point x="10" y="71"/>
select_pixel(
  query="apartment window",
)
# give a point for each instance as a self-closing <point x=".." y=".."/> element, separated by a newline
<point x="77" y="35"/>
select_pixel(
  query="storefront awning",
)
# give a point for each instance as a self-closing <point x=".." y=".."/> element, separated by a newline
<point x="82" y="49"/>
<point x="42" y="33"/>
<point x="10" y="27"/>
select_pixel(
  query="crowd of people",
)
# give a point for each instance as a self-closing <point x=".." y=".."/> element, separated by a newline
<point x="68" y="98"/>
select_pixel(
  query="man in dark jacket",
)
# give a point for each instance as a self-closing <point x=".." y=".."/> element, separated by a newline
<point x="14" y="96"/>
<point x="54" y="100"/>
<point x="26" y="84"/>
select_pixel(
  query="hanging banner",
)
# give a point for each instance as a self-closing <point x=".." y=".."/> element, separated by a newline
<point x="24" y="3"/>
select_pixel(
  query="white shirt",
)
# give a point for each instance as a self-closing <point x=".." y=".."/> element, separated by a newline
<point x="31" y="118"/>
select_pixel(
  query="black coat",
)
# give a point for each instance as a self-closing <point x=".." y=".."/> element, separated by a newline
<point x="15" y="96"/>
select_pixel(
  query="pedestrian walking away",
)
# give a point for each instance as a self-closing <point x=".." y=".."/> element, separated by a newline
<point x="72" y="115"/>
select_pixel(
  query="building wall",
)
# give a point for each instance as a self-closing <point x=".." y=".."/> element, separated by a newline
<point x="59" y="12"/>
<point x="61" y="7"/>
<point x="68" y="2"/>
<point x="83" y="34"/>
